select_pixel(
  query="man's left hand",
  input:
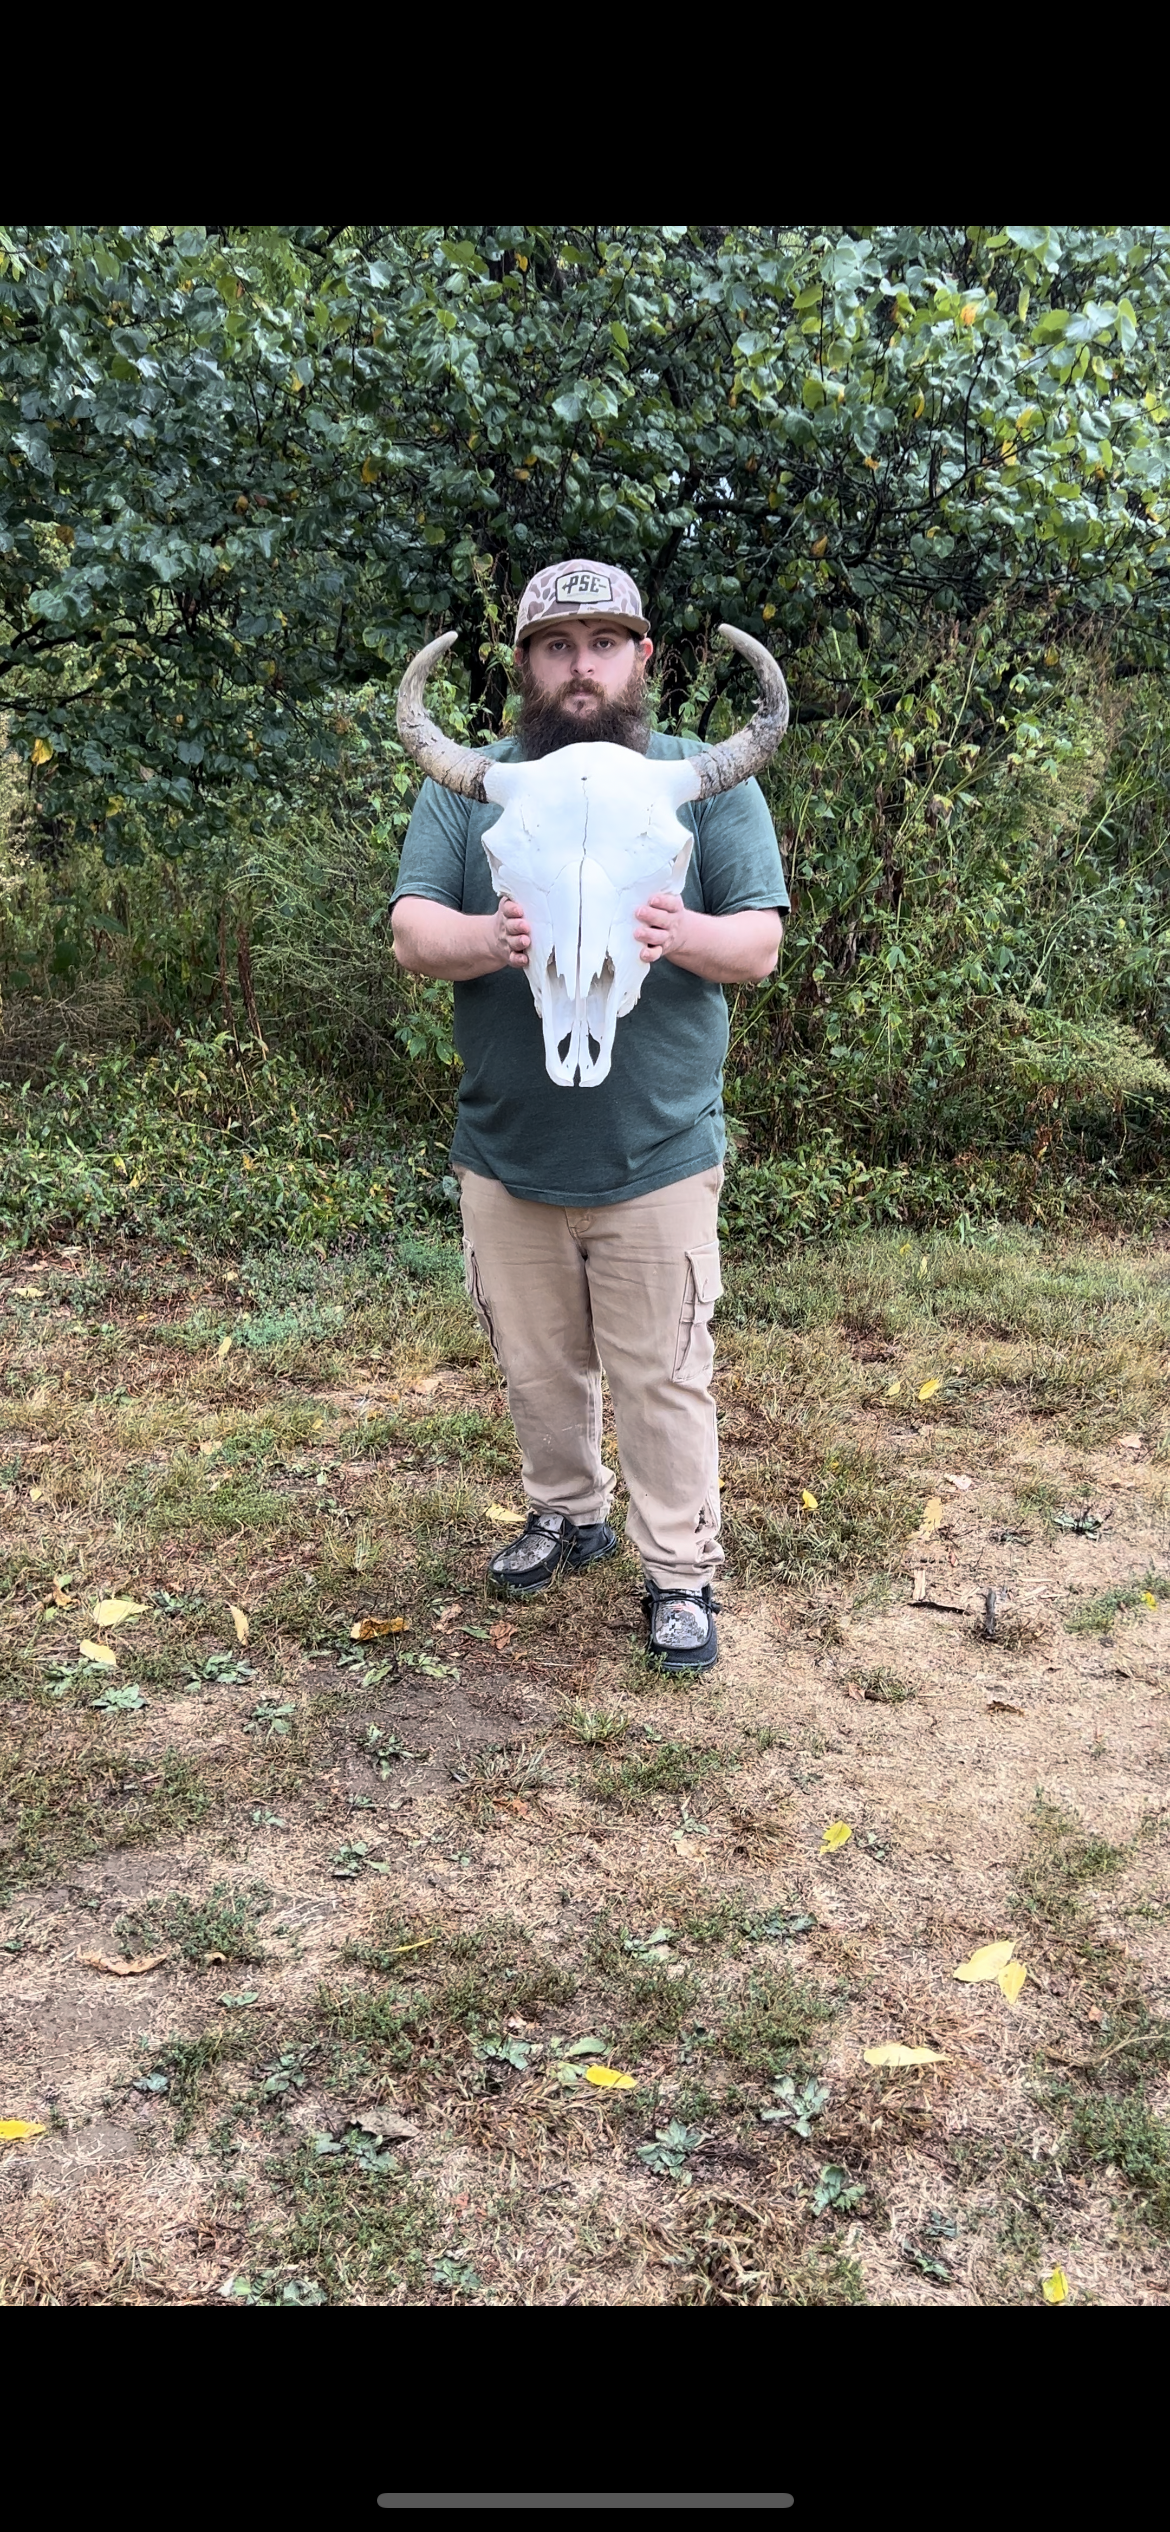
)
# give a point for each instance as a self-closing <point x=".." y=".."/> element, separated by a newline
<point x="662" y="925"/>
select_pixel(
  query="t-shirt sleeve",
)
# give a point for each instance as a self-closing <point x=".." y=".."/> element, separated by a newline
<point x="434" y="848"/>
<point x="739" y="857"/>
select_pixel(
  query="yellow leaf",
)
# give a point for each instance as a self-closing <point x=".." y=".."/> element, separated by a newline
<point x="369" y="472"/>
<point x="928" y="1388"/>
<point x="967" y="316"/>
<point x="904" y="1247"/>
<point x="837" y="1834"/>
<point x="500" y="1512"/>
<point x="41" y="752"/>
<point x="894" y="1389"/>
<point x="919" y="408"/>
<point x="123" y="1969"/>
<point x="893" y="2053"/>
<point x="767" y="613"/>
<point x="923" y="1266"/>
<point x="116" y="1612"/>
<point x="1011" y="1979"/>
<point x="932" y="1515"/>
<point x="1149" y="1600"/>
<point x="984" y="1964"/>
<point x="809" y="1501"/>
<point x="821" y="546"/>
<point x="239" y="1618"/>
<point x="103" y="1653"/>
<point x="610" y="2078"/>
<point x="28" y="1292"/>
<point x="1054" y="2287"/>
<point x="36" y="1494"/>
<point x="365" y="1629"/>
<point x="223" y="1348"/>
<point x="13" y="2131"/>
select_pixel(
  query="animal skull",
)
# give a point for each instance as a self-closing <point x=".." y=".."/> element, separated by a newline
<point x="586" y="835"/>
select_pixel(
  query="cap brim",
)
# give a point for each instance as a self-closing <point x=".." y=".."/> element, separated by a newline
<point x="569" y="615"/>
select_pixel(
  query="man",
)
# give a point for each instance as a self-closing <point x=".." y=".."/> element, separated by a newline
<point x="590" y="1214"/>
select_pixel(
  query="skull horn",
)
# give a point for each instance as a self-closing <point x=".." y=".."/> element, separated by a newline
<point x="721" y="767"/>
<point x="457" y="768"/>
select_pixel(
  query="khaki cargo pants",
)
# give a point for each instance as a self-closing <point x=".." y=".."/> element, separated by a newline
<point x="561" y="1292"/>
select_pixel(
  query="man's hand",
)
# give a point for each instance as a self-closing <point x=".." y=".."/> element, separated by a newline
<point x="432" y="940"/>
<point x="662" y="926"/>
<point x="726" y="949"/>
<point x="515" y="938"/>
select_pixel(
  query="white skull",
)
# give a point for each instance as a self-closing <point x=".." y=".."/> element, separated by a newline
<point x="587" y="835"/>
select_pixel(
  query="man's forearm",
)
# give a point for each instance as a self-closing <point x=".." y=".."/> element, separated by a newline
<point x="729" y="949"/>
<point x="432" y="940"/>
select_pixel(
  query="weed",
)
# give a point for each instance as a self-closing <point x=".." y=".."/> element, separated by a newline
<point x="1060" y="1862"/>
<point x="223" y="1922"/>
<point x="772" y="2024"/>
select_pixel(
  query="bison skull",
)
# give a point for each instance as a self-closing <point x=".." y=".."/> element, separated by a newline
<point x="586" y="835"/>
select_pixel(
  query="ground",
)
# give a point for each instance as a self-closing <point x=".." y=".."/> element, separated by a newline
<point x="407" y="1892"/>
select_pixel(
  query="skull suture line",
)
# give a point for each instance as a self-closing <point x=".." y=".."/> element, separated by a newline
<point x="586" y="835"/>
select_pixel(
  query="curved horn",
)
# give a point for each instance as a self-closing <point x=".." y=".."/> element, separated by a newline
<point x="719" y="768"/>
<point x="457" y="768"/>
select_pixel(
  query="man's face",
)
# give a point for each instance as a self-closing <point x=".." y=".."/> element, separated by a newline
<point x="583" y="666"/>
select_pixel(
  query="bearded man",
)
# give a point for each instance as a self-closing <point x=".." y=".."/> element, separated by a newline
<point x="590" y="1214"/>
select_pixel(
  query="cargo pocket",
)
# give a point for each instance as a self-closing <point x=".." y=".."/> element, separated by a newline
<point x="694" y="1357"/>
<point x="477" y="1296"/>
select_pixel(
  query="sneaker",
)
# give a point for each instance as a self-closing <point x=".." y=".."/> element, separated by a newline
<point x="548" y="1544"/>
<point x="682" y="1628"/>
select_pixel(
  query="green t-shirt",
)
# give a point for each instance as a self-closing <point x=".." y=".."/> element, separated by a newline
<point x="658" y="1116"/>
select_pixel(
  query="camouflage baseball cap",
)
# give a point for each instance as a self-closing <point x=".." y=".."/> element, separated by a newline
<point x="580" y="589"/>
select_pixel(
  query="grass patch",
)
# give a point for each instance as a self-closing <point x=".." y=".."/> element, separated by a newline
<point x="673" y="1768"/>
<point x="1062" y="1861"/>
<point x="883" y="1688"/>
<point x="355" y="2229"/>
<point x="1120" y="1601"/>
<point x="771" y="2027"/>
<point x="58" y="1806"/>
<point x="1125" y="2134"/>
<point x="224" y="1921"/>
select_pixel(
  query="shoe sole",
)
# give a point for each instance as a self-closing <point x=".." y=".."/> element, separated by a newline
<point x="704" y="1658"/>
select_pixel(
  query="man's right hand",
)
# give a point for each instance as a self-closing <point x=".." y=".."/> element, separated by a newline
<point x="433" y="940"/>
<point x="515" y="938"/>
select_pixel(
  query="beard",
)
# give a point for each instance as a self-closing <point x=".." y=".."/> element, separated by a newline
<point x="545" y="722"/>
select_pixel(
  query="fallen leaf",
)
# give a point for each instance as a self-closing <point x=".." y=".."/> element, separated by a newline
<point x="960" y="1484"/>
<point x="116" y="1612"/>
<point x="211" y="1958"/>
<point x="14" y="2131"/>
<point x="208" y="1449"/>
<point x="610" y="2077"/>
<point x="367" y="1628"/>
<point x="1149" y="1600"/>
<point x="426" y="1388"/>
<point x="1003" y="1705"/>
<point x="931" y="1516"/>
<point x="984" y="1964"/>
<point x="223" y="1349"/>
<point x="837" y="1834"/>
<point x="27" y="1292"/>
<point x="809" y="1501"/>
<point x="895" y="1389"/>
<point x="893" y="2053"/>
<point x="239" y="1619"/>
<point x="929" y="1387"/>
<point x="588" y="2047"/>
<point x="36" y="1494"/>
<point x="1054" y="2287"/>
<point x="919" y="1591"/>
<point x="101" y="1653"/>
<point x="1011" y="1980"/>
<point x="61" y="1597"/>
<point x="501" y="1512"/>
<point x="501" y="1634"/>
<point x="123" y="1969"/>
<point x="386" y="2123"/>
<point x="1128" y="1442"/>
